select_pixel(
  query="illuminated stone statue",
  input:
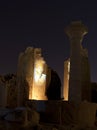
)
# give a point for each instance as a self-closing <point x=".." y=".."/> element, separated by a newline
<point x="39" y="81"/>
<point x="31" y="75"/>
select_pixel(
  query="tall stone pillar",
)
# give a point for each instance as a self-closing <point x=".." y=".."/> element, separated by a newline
<point x="25" y="75"/>
<point x="66" y="79"/>
<point x="75" y="32"/>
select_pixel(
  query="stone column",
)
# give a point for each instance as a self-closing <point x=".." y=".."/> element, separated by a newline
<point x="75" y="32"/>
<point x="66" y="79"/>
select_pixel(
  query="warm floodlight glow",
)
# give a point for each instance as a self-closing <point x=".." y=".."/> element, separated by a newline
<point x="68" y="70"/>
<point x="37" y="74"/>
<point x="66" y="80"/>
<point x="68" y="66"/>
<point x="39" y="77"/>
<point x="39" y="80"/>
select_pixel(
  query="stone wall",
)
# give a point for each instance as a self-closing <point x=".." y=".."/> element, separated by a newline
<point x="64" y="113"/>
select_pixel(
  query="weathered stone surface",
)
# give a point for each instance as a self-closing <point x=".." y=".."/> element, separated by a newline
<point x="87" y="114"/>
<point x="31" y="75"/>
<point x="8" y="91"/>
<point x="77" y="116"/>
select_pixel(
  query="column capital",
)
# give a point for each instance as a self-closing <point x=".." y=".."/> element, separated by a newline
<point x="76" y="30"/>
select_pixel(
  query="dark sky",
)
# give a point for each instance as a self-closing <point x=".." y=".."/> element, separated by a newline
<point x="41" y="23"/>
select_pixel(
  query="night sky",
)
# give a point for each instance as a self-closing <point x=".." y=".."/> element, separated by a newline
<point x="41" y="23"/>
